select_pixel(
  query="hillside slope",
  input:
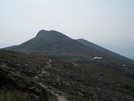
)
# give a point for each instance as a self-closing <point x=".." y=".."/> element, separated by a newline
<point x="55" y="44"/>
<point x="16" y="87"/>
<point x="97" y="47"/>
<point x="66" y="80"/>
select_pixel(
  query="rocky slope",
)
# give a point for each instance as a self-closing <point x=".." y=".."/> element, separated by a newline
<point x="67" y="81"/>
<point x="14" y="83"/>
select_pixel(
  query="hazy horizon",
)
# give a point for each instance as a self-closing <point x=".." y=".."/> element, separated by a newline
<point x="108" y="23"/>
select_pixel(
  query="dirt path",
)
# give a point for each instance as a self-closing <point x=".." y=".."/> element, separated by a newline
<point x="59" y="97"/>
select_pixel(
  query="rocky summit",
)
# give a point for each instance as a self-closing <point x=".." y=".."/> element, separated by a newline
<point x="29" y="77"/>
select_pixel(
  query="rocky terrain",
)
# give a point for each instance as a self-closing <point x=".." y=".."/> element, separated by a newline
<point x="41" y="78"/>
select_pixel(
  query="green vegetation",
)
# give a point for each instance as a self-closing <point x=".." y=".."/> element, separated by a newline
<point x="51" y="97"/>
<point x="13" y="95"/>
<point x="72" y="97"/>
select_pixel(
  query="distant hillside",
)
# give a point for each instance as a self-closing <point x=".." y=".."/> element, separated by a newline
<point x="126" y="51"/>
<point x="97" y="47"/>
<point x="56" y="44"/>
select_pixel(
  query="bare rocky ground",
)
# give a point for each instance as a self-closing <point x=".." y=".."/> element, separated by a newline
<point x="69" y="81"/>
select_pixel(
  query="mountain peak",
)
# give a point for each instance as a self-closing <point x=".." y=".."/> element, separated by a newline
<point x="44" y="32"/>
<point x="41" y="32"/>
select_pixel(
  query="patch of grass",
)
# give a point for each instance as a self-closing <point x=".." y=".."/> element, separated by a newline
<point x="69" y="96"/>
<point x="72" y="97"/>
<point x="94" y="69"/>
<point x="13" y="95"/>
<point x="51" y="97"/>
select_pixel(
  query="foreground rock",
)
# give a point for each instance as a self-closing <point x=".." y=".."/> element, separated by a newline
<point x="12" y="81"/>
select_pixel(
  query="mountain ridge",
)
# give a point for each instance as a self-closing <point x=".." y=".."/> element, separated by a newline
<point x="97" y="47"/>
<point x="56" y="44"/>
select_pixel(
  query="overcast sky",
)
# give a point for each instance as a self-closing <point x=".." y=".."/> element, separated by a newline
<point x="109" y="22"/>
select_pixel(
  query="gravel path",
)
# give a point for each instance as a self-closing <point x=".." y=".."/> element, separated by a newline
<point x="59" y="97"/>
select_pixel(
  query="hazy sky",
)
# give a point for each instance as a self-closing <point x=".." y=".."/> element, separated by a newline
<point x="108" y="22"/>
